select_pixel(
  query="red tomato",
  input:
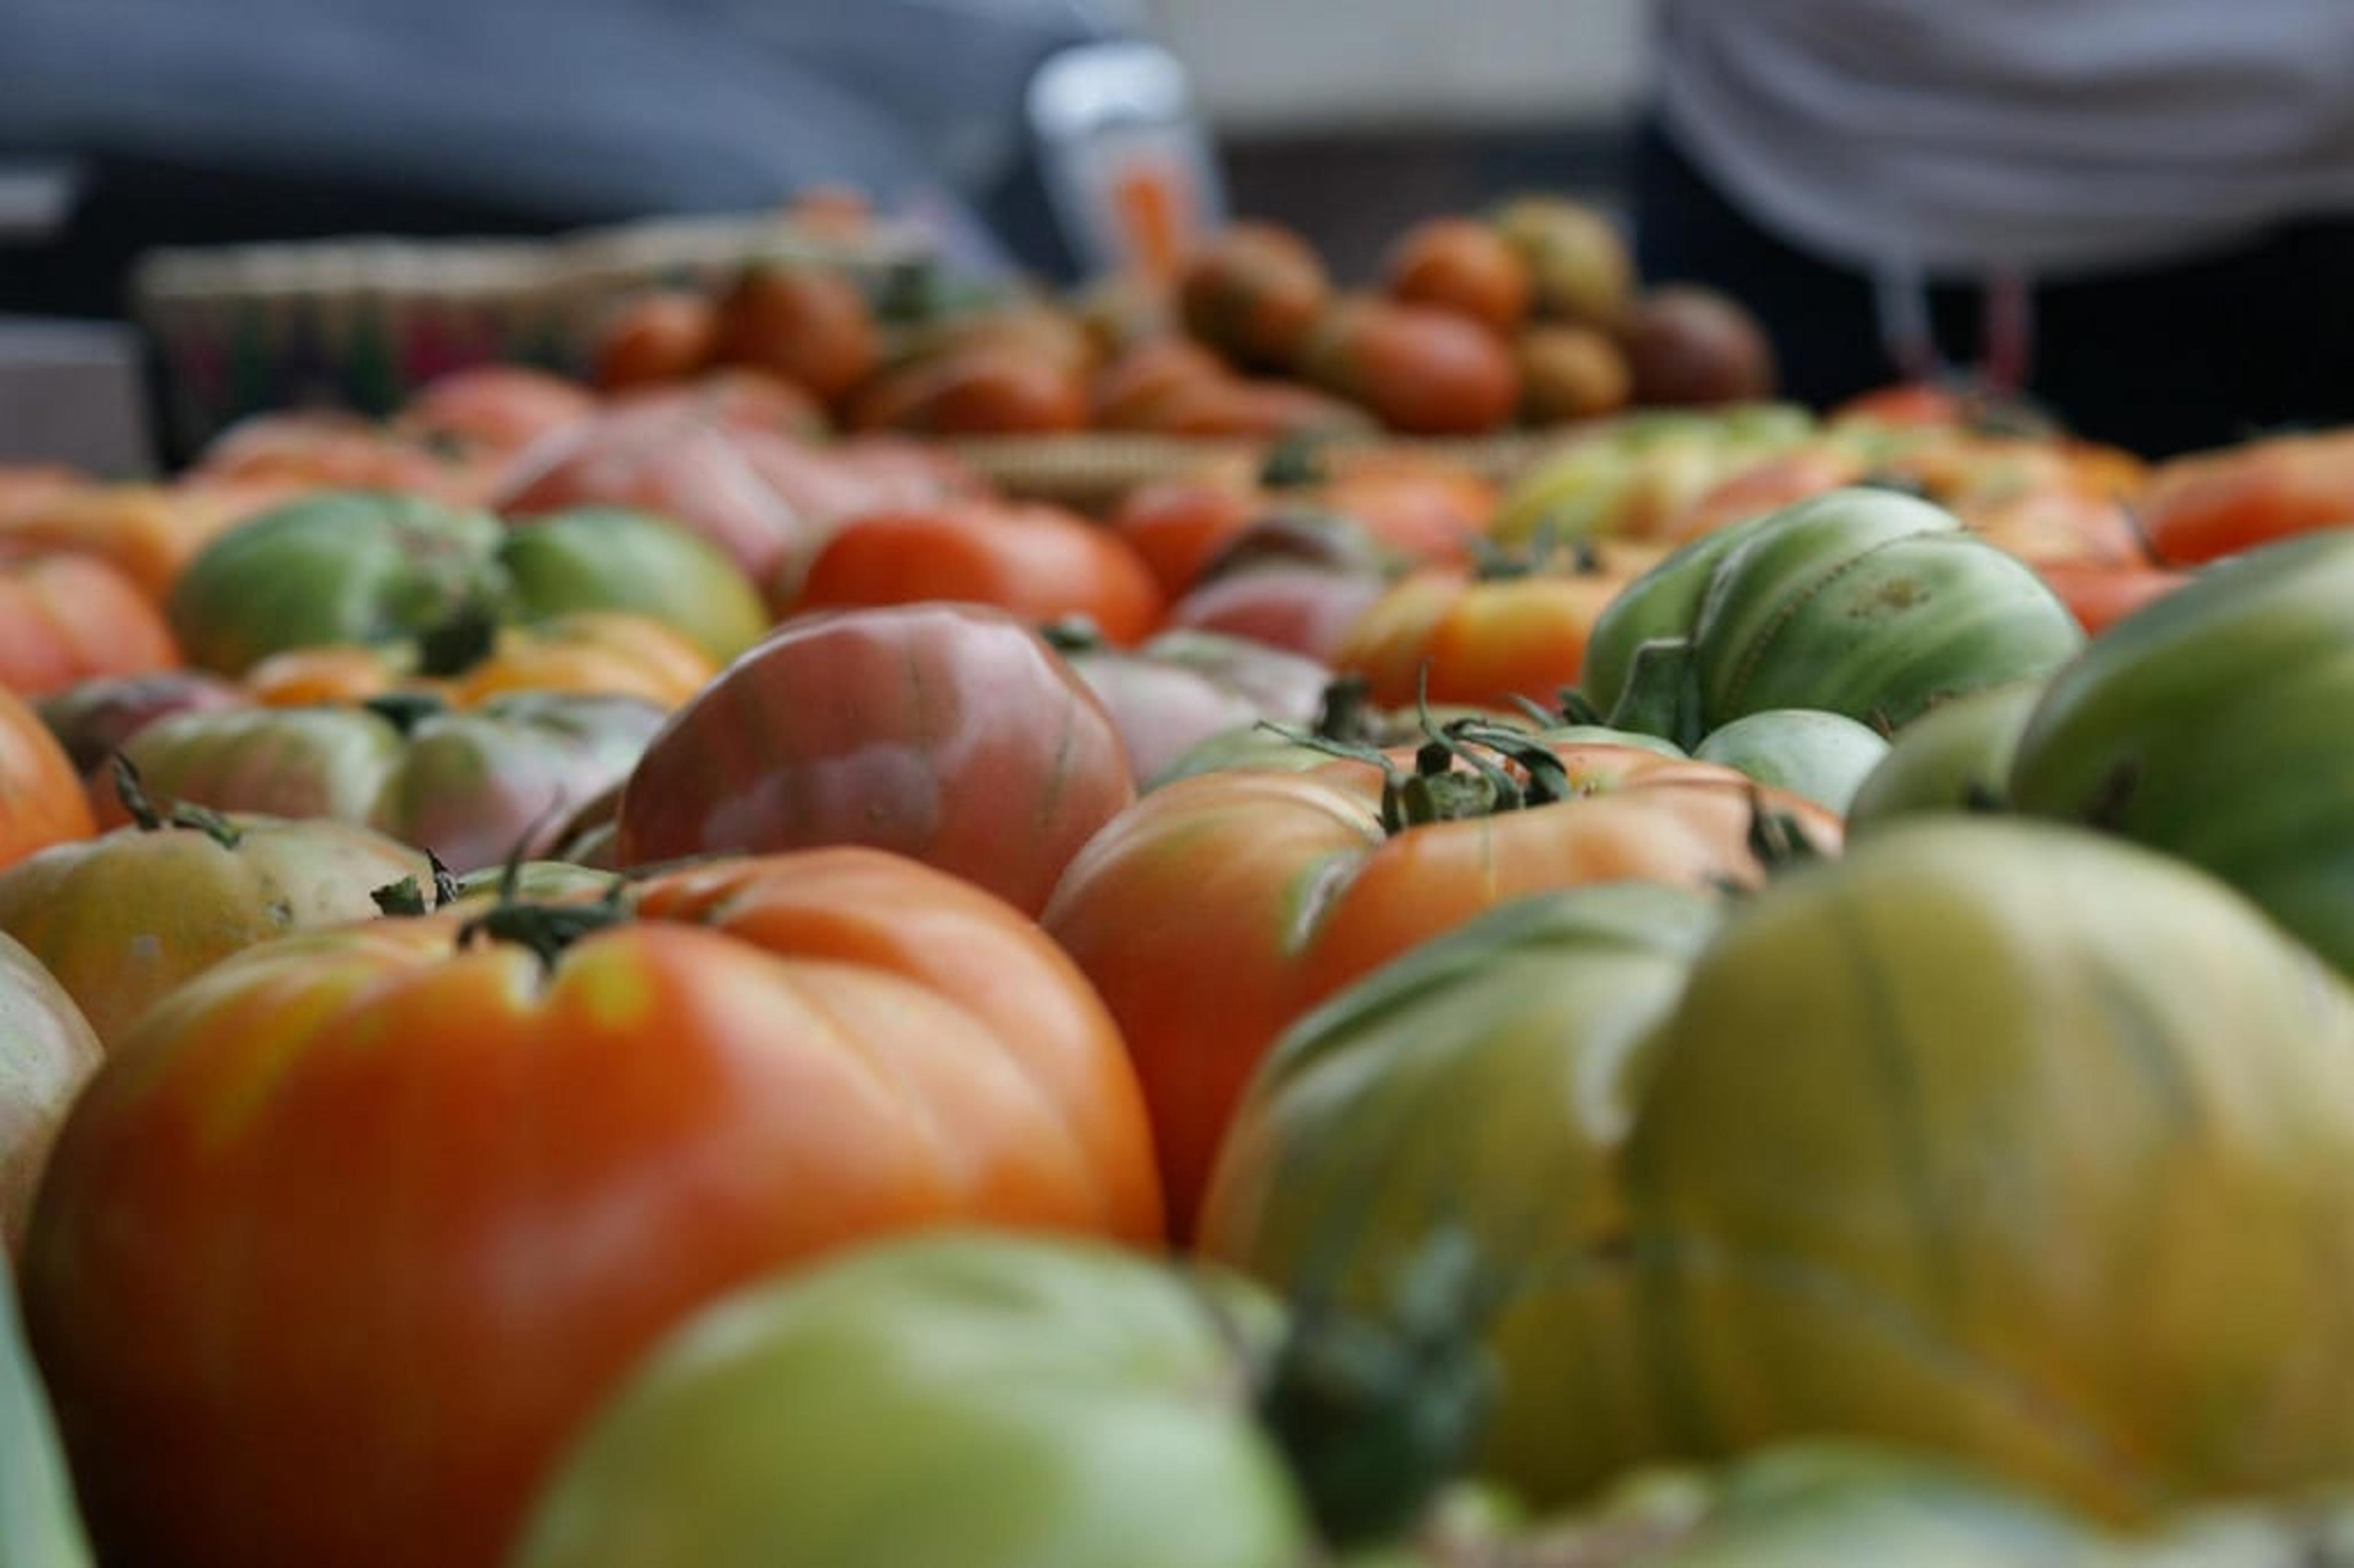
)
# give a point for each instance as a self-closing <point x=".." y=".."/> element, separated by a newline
<point x="337" y="1251"/>
<point x="1462" y="265"/>
<point x="951" y="734"/>
<point x="2212" y="504"/>
<point x="2100" y="595"/>
<point x="1423" y="371"/>
<point x="1220" y="907"/>
<point x="495" y="408"/>
<point x="69" y="618"/>
<point x="1038" y="562"/>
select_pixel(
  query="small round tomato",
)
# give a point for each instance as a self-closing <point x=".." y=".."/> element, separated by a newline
<point x="1570" y="373"/>
<point x="948" y="733"/>
<point x="1483" y="638"/>
<point x="659" y="337"/>
<point x="1422" y="371"/>
<point x="432" y="1185"/>
<point x="1254" y="293"/>
<point x="981" y="390"/>
<point x="1462" y="265"/>
<point x="1579" y="266"/>
<point x="809" y="324"/>
<point x="1035" y="561"/>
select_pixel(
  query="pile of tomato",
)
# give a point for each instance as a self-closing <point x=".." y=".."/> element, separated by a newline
<point x="596" y="979"/>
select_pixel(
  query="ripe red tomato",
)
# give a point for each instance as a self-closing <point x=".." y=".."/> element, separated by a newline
<point x="951" y="734"/>
<point x="335" y="1253"/>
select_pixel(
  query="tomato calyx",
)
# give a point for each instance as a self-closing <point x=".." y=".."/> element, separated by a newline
<point x="149" y="819"/>
<point x="1547" y="553"/>
<point x="1662" y="695"/>
<point x="1377" y="1410"/>
<point x="405" y="710"/>
<point x="405" y="899"/>
<point x="1072" y="634"/>
<point x="545" y="929"/>
<point x="460" y="641"/>
<point x="1296" y="463"/>
<point x="1463" y="768"/>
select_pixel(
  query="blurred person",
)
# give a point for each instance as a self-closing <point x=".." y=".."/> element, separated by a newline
<point x="2138" y="212"/>
<point x="190" y="121"/>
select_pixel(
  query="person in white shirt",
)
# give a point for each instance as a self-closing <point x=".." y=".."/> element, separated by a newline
<point x="2137" y="212"/>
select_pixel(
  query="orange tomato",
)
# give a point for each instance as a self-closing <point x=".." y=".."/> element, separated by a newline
<point x="67" y="617"/>
<point x="1220" y="907"/>
<point x="148" y="532"/>
<point x="1462" y="265"/>
<point x="2211" y="504"/>
<point x="809" y="324"/>
<point x="2099" y="595"/>
<point x="605" y="653"/>
<point x="657" y="338"/>
<point x="983" y="389"/>
<point x="41" y="798"/>
<point x="494" y="409"/>
<point x="1039" y="562"/>
<point x="433" y="1189"/>
<point x="1479" y="641"/>
<point x="1254" y="293"/>
<point x="1422" y="371"/>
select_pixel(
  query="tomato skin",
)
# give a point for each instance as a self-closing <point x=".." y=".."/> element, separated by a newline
<point x="1302" y="609"/>
<point x="1423" y="371"/>
<point x="609" y="557"/>
<point x="452" y="1157"/>
<point x="934" y="1358"/>
<point x="1481" y="642"/>
<point x="1955" y="758"/>
<point x="2099" y="595"/>
<point x="1285" y="888"/>
<point x="1823" y="756"/>
<point x="41" y="801"/>
<point x="1035" y="561"/>
<point x="2207" y="505"/>
<point x="2203" y="727"/>
<point x="948" y="733"/>
<point x="1254" y="293"/>
<point x="1462" y="265"/>
<point x="983" y="389"/>
<point x="124" y="918"/>
<point x="1861" y="601"/>
<point x="1941" y="1185"/>
<point x="1183" y="687"/>
<point x="46" y="1053"/>
<point x="496" y="408"/>
<point x="807" y="324"/>
<point x="67" y="617"/>
<point x="659" y="337"/>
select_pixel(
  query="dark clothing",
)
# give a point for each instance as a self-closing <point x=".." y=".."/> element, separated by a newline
<point x="2161" y="360"/>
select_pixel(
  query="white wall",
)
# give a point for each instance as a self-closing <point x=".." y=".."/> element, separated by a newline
<point x="1316" y="65"/>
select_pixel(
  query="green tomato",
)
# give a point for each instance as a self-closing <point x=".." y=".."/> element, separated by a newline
<point x="1823" y="757"/>
<point x="39" y="1527"/>
<point x="342" y="566"/>
<point x="609" y="557"/>
<point x="1861" y="601"/>
<point x="1943" y="1143"/>
<point x="2209" y="725"/>
<point x="990" y="1402"/>
<point x="1955" y="758"/>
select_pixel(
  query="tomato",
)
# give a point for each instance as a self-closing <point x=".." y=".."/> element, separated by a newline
<point x="326" y="450"/>
<point x="1044" y="1401"/>
<point x="1944" y="1144"/>
<point x="1285" y="887"/>
<point x="1183" y="687"/>
<point x="1957" y="757"/>
<point x="587" y="653"/>
<point x="1462" y="265"/>
<point x="336" y="568"/>
<point x="948" y="733"/>
<point x="1641" y="476"/>
<point x="1516" y="630"/>
<point x="147" y="533"/>
<point x="39" y="1527"/>
<point x="93" y="719"/>
<point x="123" y="918"/>
<point x="1296" y="581"/>
<point x="1570" y="373"/>
<point x="1254" y="293"/>
<point x="2204" y="727"/>
<point x="1579" y="268"/>
<point x="1691" y="345"/>
<point x="2207" y="505"/>
<point x="1175" y="525"/>
<point x="69" y="618"/>
<point x="2099" y="595"/>
<point x="470" y="786"/>
<point x="809" y="324"/>
<point x="41" y="803"/>
<point x="495" y="408"/>
<point x="1823" y="757"/>
<point x="1039" y="562"/>
<point x="462" y="1175"/>
<point x="1862" y="602"/>
<point x="1129" y="391"/>
<point x="609" y="558"/>
<point x="660" y="336"/>
<point x="736" y="398"/>
<point x="46" y="1053"/>
<point x="1422" y="371"/>
<point x="982" y="390"/>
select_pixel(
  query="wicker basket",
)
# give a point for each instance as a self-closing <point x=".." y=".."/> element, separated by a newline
<point x="361" y="323"/>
